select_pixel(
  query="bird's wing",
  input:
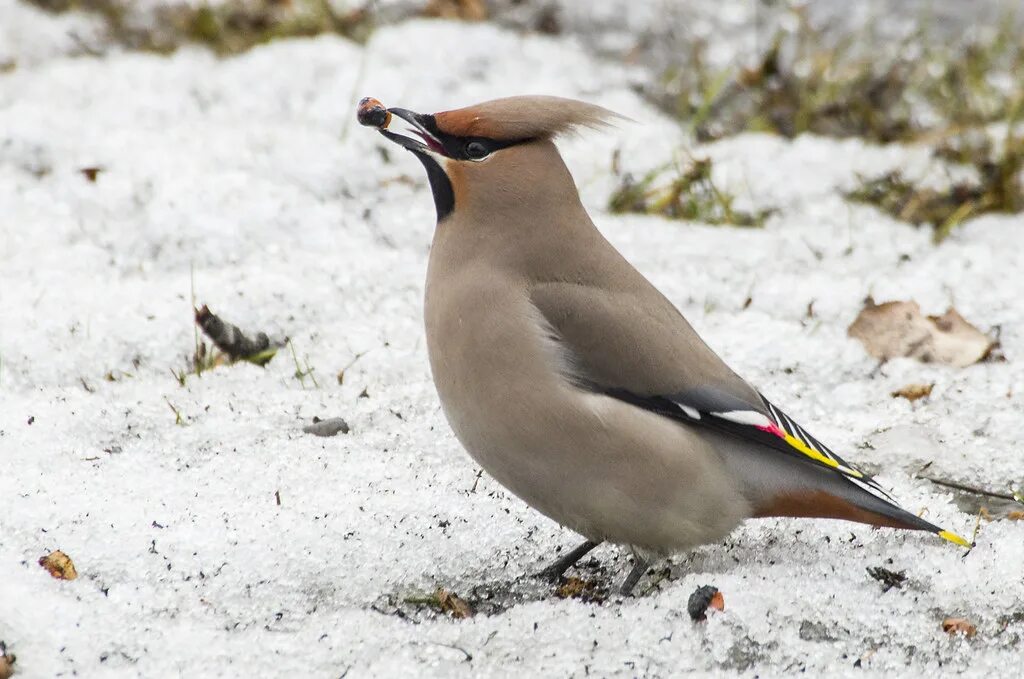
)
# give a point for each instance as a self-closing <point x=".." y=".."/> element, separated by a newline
<point x="769" y="427"/>
<point x="644" y="352"/>
<point x="640" y="350"/>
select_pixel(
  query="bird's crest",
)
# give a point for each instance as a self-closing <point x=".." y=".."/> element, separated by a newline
<point x="524" y="117"/>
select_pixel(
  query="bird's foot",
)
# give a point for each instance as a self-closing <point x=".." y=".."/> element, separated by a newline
<point x="640" y="566"/>
<point x="556" y="570"/>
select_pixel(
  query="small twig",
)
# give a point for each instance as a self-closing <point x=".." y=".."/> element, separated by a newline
<point x="967" y="489"/>
<point x="301" y="374"/>
<point x="356" y="85"/>
<point x="309" y="371"/>
<point x="974" y="534"/>
<point x="476" y="481"/>
<point x="196" y="362"/>
<point x="469" y="656"/>
<point x="341" y="373"/>
<point x="83" y="46"/>
<point x="877" y="369"/>
<point x="177" y="413"/>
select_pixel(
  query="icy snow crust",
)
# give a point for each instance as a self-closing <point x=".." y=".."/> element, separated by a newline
<point x="252" y="172"/>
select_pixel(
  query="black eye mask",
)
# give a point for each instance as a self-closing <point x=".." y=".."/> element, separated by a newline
<point x="464" y="148"/>
<point x="431" y="142"/>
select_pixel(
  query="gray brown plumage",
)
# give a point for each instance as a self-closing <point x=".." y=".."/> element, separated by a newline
<point x="572" y="380"/>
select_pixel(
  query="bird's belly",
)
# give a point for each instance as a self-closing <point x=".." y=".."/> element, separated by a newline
<point x="602" y="467"/>
<point x="638" y="480"/>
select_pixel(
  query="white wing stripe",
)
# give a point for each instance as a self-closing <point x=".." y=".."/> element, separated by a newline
<point x="692" y="413"/>
<point x="747" y="417"/>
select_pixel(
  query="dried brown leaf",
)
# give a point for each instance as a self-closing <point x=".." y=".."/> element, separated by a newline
<point x="897" y="329"/>
<point x="452" y="604"/>
<point x="578" y="588"/>
<point x="913" y="392"/>
<point x="59" y="565"/>
<point x="90" y="173"/>
<point x="469" y="10"/>
<point x="963" y="626"/>
<point x="572" y="587"/>
<point x="7" y="661"/>
<point x="1015" y="515"/>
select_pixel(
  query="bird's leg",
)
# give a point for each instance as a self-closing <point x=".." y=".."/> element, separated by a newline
<point x="640" y="565"/>
<point x="558" y="568"/>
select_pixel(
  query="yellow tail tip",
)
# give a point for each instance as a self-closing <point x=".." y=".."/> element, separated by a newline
<point x="955" y="539"/>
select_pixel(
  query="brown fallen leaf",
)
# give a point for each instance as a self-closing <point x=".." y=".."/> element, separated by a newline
<point x="578" y="588"/>
<point x="572" y="587"/>
<point x="913" y="392"/>
<point x="7" y="661"/>
<point x="452" y="604"/>
<point x="469" y="10"/>
<point x="59" y="565"/>
<point x="444" y="601"/>
<point x="90" y="173"/>
<point x="1015" y="515"/>
<point x="963" y="626"/>
<point x="897" y="329"/>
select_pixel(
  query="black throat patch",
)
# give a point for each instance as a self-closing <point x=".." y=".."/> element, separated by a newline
<point x="456" y="148"/>
<point x="440" y="186"/>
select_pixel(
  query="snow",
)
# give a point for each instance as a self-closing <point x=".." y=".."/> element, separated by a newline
<point x="247" y="180"/>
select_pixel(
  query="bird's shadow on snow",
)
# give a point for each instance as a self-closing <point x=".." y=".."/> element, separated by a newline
<point x="589" y="582"/>
<point x="593" y="581"/>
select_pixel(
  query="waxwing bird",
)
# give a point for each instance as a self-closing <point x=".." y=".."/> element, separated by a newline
<point x="571" y="379"/>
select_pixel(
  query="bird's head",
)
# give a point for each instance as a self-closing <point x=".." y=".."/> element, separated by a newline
<point x="494" y="153"/>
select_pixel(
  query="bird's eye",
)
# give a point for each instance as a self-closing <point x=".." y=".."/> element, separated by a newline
<point x="476" y="151"/>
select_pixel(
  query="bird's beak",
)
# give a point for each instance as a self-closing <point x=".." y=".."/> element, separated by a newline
<point x="420" y="124"/>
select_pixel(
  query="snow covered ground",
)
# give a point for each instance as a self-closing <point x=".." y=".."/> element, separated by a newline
<point x="247" y="180"/>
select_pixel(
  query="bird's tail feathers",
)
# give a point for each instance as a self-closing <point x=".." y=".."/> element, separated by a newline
<point x="787" y="486"/>
<point x="888" y="511"/>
